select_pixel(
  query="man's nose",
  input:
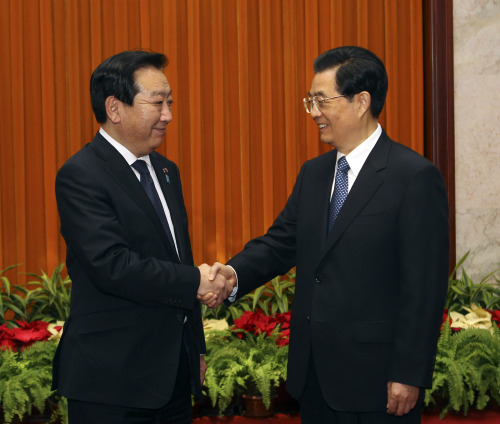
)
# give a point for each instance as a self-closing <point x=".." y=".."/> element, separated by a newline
<point x="166" y="113"/>
<point x="315" y="113"/>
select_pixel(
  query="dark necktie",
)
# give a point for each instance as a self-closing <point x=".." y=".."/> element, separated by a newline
<point x="340" y="191"/>
<point x="147" y="182"/>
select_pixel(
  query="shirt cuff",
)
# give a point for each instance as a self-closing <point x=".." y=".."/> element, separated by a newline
<point x="232" y="296"/>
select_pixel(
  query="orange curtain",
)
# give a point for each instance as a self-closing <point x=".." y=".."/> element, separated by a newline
<point x="239" y="70"/>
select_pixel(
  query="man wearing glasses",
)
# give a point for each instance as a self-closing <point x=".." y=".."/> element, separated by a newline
<point x="367" y="228"/>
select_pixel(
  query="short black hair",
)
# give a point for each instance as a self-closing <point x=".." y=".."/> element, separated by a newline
<point x="358" y="70"/>
<point x="115" y="77"/>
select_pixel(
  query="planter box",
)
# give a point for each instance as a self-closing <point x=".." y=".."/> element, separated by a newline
<point x="474" y="417"/>
<point x="489" y="416"/>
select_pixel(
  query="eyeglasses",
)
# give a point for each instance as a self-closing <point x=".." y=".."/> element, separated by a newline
<point x="318" y="102"/>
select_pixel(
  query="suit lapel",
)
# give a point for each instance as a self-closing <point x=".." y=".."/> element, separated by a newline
<point x="170" y="197"/>
<point x="323" y="188"/>
<point x="120" y="171"/>
<point x="366" y="185"/>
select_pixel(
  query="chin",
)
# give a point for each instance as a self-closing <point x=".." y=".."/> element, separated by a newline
<point x="156" y="143"/>
<point x="326" y="141"/>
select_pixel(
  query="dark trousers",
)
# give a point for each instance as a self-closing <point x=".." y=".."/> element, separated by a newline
<point x="315" y="410"/>
<point x="178" y="410"/>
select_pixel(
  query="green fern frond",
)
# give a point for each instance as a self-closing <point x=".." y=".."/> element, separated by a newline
<point x="14" y="400"/>
<point x="238" y="365"/>
<point x="467" y="369"/>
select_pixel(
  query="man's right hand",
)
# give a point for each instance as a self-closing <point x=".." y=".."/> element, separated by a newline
<point x="226" y="271"/>
<point x="216" y="271"/>
<point x="214" y="287"/>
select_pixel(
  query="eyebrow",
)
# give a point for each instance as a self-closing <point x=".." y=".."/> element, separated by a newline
<point x="318" y="93"/>
<point x="161" y="93"/>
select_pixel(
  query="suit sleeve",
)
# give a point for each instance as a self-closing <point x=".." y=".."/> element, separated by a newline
<point x="424" y="251"/>
<point x="272" y="254"/>
<point x="199" y="333"/>
<point x="104" y="250"/>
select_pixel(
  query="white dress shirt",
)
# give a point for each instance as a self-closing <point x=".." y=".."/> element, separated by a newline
<point x="131" y="158"/>
<point x="356" y="159"/>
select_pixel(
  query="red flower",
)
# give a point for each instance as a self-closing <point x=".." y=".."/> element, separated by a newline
<point x="257" y="322"/>
<point x="284" y="338"/>
<point x="25" y="335"/>
<point x="262" y="323"/>
<point x="6" y="344"/>
<point x="282" y="341"/>
<point x="495" y="315"/>
<point x="243" y="322"/>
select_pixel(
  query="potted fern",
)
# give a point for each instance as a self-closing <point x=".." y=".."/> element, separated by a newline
<point x="266" y="367"/>
<point x="250" y="367"/>
<point x="467" y="371"/>
<point x="25" y="384"/>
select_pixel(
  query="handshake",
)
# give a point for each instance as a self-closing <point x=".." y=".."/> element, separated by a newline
<point x="216" y="284"/>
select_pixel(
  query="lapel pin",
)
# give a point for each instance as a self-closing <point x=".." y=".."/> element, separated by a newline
<point x="165" y="171"/>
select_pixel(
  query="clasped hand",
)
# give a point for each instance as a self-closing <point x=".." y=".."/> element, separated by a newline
<point x="216" y="284"/>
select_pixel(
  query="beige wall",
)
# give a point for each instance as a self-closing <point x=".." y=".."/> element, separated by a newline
<point x="476" y="26"/>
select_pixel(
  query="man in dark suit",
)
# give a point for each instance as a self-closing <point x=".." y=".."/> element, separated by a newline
<point x="367" y="228"/>
<point x="132" y="348"/>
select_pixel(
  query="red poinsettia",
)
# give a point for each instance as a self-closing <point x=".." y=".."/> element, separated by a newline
<point x="257" y="322"/>
<point x="283" y="338"/>
<point x="5" y="342"/>
<point x="445" y="317"/>
<point x="495" y="315"/>
<point x="25" y="335"/>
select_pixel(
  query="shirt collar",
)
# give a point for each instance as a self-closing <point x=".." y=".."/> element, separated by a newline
<point x="356" y="159"/>
<point x="126" y="153"/>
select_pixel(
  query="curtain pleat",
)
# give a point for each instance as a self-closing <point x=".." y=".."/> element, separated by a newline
<point x="238" y="69"/>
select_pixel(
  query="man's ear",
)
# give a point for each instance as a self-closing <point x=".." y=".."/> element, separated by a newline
<point x="112" y="109"/>
<point x="364" y="101"/>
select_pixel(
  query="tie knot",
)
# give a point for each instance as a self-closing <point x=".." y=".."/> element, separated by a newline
<point x="342" y="165"/>
<point x="141" y="167"/>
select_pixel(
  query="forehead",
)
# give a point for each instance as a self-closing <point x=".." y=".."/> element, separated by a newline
<point x="324" y="83"/>
<point x="152" y="81"/>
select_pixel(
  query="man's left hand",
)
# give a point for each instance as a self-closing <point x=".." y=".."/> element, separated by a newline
<point x="203" y="368"/>
<point x="401" y="398"/>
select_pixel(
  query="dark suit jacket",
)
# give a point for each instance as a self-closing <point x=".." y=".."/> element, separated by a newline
<point x="369" y="297"/>
<point x="130" y="294"/>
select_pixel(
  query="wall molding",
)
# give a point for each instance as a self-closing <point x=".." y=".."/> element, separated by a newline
<point x="439" y="114"/>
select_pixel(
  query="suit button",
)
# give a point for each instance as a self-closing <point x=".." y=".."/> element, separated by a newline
<point x="308" y="318"/>
<point x="319" y="279"/>
<point x="180" y="317"/>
